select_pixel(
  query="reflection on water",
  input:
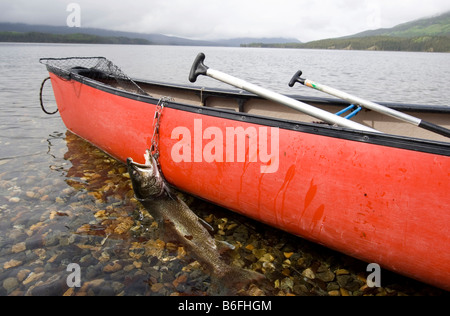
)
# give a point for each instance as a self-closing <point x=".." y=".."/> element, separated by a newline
<point x="85" y="213"/>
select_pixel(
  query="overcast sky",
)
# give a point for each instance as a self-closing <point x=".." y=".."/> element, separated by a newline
<point x="305" y="20"/>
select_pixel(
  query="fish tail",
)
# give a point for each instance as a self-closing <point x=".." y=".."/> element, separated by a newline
<point x="233" y="280"/>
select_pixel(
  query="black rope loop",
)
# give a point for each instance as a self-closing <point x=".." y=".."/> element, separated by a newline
<point x="42" y="102"/>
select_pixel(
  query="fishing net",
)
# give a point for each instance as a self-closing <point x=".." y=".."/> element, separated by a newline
<point x="96" y="68"/>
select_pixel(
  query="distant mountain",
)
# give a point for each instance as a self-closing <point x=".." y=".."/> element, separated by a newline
<point x="157" y="39"/>
<point x="37" y="37"/>
<point x="424" y="35"/>
<point x="248" y="40"/>
<point x="107" y="36"/>
<point x="432" y="26"/>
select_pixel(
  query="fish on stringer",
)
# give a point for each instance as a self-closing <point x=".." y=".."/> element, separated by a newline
<point x="181" y="223"/>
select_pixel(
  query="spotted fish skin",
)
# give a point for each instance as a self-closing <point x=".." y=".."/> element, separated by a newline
<point x="184" y="226"/>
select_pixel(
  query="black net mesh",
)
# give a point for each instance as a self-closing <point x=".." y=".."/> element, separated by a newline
<point x="96" y="68"/>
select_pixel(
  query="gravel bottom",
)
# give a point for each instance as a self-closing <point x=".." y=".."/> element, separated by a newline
<point x="82" y="211"/>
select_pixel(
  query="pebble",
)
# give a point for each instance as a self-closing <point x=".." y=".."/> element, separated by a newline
<point x="334" y="293"/>
<point x="308" y="273"/>
<point x="128" y="268"/>
<point x="137" y="264"/>
<point x="287" y="284"/>
<point x="344" y="292"/>
<point x="10" y="284"/>
<point x="22" y="274"/>
<point x="157" y="287"/>
<point x="31" y="194"/>
<point x="180" y="280"/>
<point x="287" y="255"/>
<point x="32" y="277"/>
<point x="93" y="283"/>
<point x="348" y="282"/>
<point x="11" y="264"/>
<point x="255" y="291"/>
<point x="326" y="276"/>
<point x="112" y="267"/>
<point x="342" y="272"/>
<point x="19" y="247"/>
<point x="69" y="292"/>
<point x="54" y="286"/>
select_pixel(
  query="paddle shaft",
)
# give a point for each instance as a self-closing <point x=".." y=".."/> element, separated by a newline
<point x="199" y="68"/>
<point x="371" y="105"/>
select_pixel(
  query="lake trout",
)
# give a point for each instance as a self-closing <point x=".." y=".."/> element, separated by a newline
<point x="182" y="224"/>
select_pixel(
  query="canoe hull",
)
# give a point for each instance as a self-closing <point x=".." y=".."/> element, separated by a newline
<point x="375" y="201"/>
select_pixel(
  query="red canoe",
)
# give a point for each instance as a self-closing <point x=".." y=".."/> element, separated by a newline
<point x="381" y="198"/>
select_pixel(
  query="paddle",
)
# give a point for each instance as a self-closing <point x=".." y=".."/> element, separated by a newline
<point x="199" y="68"/>
<point x="370" y="105"/>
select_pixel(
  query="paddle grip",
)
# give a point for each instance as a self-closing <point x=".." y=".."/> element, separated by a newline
<point x="198" y="68"/>
<point x="435" y="128"/>
<point x="297" y="78"/>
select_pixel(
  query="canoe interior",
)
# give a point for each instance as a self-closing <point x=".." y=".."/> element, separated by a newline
<point x="240" y="101"/>
<point x="247" y="103"/>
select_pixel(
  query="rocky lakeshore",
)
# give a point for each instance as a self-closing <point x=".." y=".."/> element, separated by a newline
<point x="82" y="211"/>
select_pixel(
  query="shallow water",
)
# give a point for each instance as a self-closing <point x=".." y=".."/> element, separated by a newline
<point x="62" y="201"/>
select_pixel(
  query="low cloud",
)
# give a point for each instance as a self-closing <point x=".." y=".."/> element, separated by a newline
<point x="215" y="19"/>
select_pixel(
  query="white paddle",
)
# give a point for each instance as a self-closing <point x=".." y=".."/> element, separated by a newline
<point x="199" y="68"/>
<point x="369" y="105"/>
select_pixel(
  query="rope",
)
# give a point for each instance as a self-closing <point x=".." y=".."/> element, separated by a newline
<point x="40" y="98"/>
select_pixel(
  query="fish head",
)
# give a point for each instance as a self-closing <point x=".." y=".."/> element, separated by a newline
<point x="147" y="181"/>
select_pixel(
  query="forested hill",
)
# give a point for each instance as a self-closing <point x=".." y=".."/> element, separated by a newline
<point x="434" y="26"/>
<point x="20" y="32"/>
<point x="387" y="43"/>
<point x="37" y="37"/>
<point x="426" y="35"/>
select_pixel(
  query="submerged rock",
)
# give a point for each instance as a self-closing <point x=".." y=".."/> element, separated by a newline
<point x="10" y="284"/>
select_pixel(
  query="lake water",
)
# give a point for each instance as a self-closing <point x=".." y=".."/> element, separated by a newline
<point x="63" y="201"/>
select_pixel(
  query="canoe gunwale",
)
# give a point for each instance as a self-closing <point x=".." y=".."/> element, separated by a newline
<point x="389" y="140"/>
<point x="307" y="99"/>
